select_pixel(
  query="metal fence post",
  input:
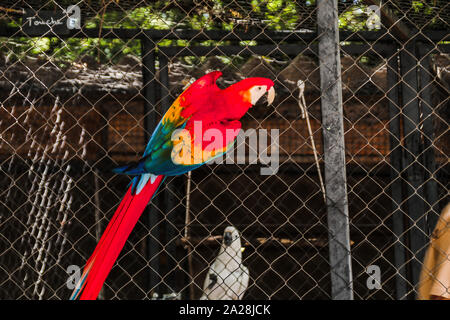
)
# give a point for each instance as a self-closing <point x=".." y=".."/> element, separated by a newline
<point x="431" y="186"/>
<point x="398" y="227"/>
<point x="334" y="150"/>
<point x="150" y="122"/>
<point x="411" y="158"/>
<point x="169" y="206"/>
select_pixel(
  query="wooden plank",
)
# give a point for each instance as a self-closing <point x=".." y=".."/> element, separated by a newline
<point x="223" y="35"/>
<point x="334" y="151"/>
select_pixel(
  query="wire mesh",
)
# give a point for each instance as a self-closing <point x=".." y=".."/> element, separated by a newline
<point x="76" y="105"/>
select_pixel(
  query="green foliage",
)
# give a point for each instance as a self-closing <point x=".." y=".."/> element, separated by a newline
<point x="281" y="15"/>
<point x="425" y="8"/>
<point x="356" y="18"/>
<point x="183" y="14"/>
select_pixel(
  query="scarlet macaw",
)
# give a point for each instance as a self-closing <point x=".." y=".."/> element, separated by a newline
<point x="180" y="143"/>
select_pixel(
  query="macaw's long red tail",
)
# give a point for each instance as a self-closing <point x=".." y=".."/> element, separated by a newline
<point x="113" y="239"/>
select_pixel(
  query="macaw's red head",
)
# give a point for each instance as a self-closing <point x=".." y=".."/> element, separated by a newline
<point x="246" y="93"/>
<point x="214" y="114"/>
<point x="224" y="108"/>
<point x="233" y="103"/>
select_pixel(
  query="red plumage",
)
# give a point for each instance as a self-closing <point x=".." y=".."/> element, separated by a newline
<point x="113" y="239"/>
<point x="203" y="101"/>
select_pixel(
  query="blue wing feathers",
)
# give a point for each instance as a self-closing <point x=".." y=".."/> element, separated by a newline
<point x="131" y="169"/>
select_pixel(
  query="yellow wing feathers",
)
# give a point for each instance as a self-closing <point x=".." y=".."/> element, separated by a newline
<point x="173" y="115"/>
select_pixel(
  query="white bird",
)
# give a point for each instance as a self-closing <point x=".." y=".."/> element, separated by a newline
<point x="227" y="278"/>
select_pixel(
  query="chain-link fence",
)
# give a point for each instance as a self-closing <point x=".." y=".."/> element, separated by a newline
<point x="79" y="100"/>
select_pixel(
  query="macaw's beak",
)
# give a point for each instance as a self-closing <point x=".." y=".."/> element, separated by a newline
<point x="270" y="95"/>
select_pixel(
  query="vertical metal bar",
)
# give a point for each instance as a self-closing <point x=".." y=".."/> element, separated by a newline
<point x="169" y="199"/>
<point x="396" y="169"/>
<point x="334" y="150"/>
<point x="411" y="156"/>
<point x="104" y="138"/>
<point x="187" y="225"/>
<point x="150" y="122"/>
<point x="431" y="187"/>
<point x="98" y="218"/>
<point x="164" y="80"/>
